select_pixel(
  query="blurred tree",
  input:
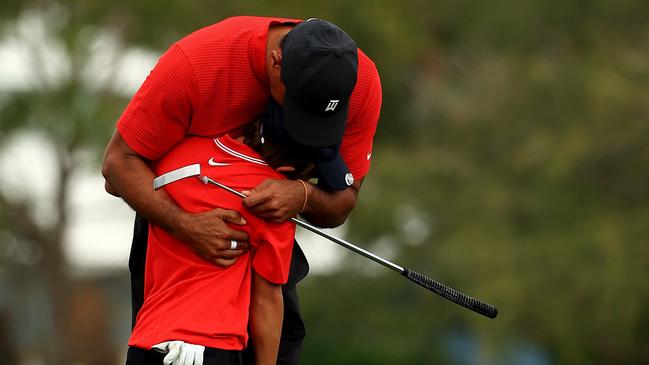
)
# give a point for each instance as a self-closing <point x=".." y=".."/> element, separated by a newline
<point x="530" y="169"/>
<point x="76" y="117"/>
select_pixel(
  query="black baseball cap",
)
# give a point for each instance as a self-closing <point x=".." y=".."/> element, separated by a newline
<point x="330" y="165"/>
<point x="319" y="69"/>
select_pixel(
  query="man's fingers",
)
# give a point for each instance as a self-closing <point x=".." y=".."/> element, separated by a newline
<point x="262" y="202"/>
<point x="265" y="184"/>
<point x="225" y="245"/>
<point x="230" y="254"/>
<point x="241" y="246"/>
<point x="224" y="262"/>
<point x="269" y="213"/>
<point x="219" y="256"/>
<point x="233" y="234"/>
<point x="256" y="198"/>
<point x="260" y="194"/>
<point x="231" y="216"/>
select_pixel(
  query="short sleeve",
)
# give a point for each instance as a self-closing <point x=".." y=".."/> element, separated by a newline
<point x="356" y="148"/>
<point x="159" y="114"/>
<point x="273" y="245"/>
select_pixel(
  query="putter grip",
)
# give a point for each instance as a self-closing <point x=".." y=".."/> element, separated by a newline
<point x="451" y="294"/>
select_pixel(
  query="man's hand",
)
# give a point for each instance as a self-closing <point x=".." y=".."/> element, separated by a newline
<point x="276" y="200"/>
<point x="210" y="237"/>
<point x="129" y="176"/>
<point x="279" y="200"/>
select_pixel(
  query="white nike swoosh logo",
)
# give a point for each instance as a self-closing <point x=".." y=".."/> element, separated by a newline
<point x="369" y="155"/>
<point x="211" y="162"/>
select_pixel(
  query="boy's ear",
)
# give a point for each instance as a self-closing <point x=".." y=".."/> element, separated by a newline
<point x="285" y="169"/>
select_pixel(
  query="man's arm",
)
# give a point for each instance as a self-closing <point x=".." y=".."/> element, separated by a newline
<point x="278" y="200"/>
<point x="128" y="176"/>
<point x="266" y="315"/>
<point x="330" y="208"/>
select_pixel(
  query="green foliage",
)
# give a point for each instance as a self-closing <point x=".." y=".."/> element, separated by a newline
<point x="530" y="164"/>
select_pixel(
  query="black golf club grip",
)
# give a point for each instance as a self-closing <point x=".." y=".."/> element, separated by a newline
<point x="451" y="294"/>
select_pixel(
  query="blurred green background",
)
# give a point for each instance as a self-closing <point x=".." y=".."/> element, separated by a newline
<point x="511" y="161"/>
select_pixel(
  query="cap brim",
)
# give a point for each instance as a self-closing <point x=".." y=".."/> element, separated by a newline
<point x="335" y="173"/>
<point x="314" y="130"/>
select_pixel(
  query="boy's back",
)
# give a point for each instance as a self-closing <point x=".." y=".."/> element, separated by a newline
<point x="186" y="297"/>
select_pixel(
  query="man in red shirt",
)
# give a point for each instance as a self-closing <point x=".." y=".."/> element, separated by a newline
<point x="213" y="82"/>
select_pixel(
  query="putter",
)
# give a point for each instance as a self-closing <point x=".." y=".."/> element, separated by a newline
<point x="436" y="287"/>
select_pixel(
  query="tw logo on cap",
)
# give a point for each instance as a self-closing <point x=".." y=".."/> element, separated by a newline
<point x="332" y="105"/>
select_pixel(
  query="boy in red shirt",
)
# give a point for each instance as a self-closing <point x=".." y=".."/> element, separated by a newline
<point x="189" y="299"/>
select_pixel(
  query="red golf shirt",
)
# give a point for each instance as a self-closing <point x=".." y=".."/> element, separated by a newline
<point x="214" y="81"/>
<point x="187" y="298"/>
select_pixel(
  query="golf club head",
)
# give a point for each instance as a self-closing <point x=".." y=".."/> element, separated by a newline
<point x="175" y="175"/>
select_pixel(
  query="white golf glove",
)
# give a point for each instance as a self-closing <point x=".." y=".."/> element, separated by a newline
<point x="180" y="353"/>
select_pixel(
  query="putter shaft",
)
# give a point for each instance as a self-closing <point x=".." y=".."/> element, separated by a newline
<point x="436" y="287"/>
<point x="318" y="231"/>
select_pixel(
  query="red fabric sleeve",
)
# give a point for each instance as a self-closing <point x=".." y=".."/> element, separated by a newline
<point x="159" y="114"/>
<point x="356" y="148"/>
<point x="272" y="258"/>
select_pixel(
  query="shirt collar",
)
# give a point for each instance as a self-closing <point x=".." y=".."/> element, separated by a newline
<point x="239" y="150"/>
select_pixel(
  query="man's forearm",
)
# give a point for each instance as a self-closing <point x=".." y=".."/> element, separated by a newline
<point x="128" y="176"/>
<point x="330" y="209"/>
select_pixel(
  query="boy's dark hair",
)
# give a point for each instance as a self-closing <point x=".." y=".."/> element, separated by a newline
<point x="278" y="156"/>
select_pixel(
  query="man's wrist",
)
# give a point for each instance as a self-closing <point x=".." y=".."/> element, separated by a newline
<point x="306" y="195"/>
<point x="177" y="223"/>
<point x="329" y="209"/>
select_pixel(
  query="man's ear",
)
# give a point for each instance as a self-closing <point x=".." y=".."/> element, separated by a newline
<point x="276" y="57"/>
